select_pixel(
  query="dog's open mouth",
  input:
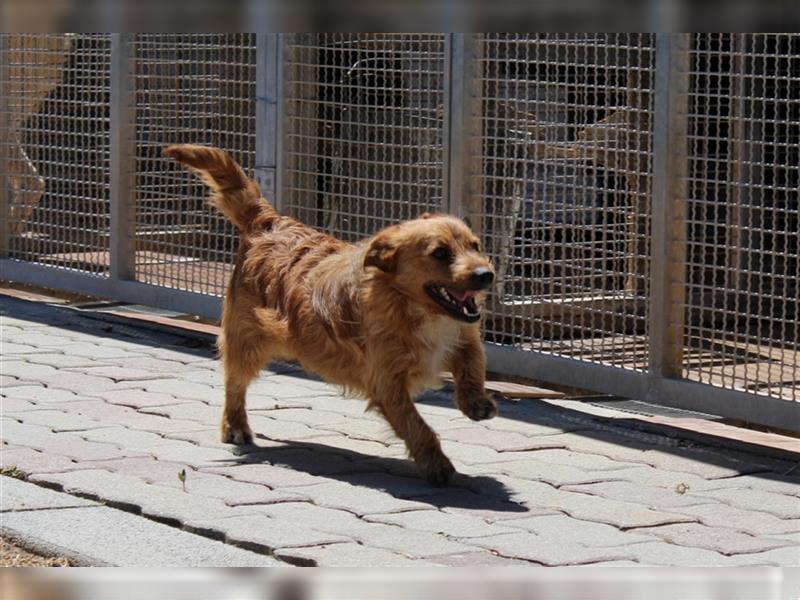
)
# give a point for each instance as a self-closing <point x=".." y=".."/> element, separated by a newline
<point x="459" y="305"/>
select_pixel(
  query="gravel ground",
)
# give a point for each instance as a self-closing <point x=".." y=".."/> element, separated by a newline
<point x="12" y="555"/>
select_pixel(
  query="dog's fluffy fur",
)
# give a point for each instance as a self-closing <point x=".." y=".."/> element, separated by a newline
<point x="381" y="318"/>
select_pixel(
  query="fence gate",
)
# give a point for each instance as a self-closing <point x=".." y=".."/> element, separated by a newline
<point x="638" y="193"/>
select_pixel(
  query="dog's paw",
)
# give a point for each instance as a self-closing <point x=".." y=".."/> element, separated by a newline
<point x="240" y="435"/>
<point x="436" y="468"/>
<point x="478" y="407"/>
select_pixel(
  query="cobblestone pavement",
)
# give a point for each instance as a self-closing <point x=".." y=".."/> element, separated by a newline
<point x="114" y="412"/>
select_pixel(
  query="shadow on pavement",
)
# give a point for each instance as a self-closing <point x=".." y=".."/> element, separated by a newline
<point x="397" y="477"/>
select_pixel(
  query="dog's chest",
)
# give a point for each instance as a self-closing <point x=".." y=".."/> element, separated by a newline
<point x="438" y="339"/>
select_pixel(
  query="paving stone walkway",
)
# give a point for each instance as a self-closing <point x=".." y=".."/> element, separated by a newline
<point x="114" y="413"/>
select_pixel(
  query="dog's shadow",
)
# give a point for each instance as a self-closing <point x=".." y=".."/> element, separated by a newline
<point x="394" y="476"/>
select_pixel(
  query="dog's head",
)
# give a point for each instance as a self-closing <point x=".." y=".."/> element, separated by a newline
<point x="435" y="261"/>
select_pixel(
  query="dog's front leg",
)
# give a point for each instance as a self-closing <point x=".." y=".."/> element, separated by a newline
<point x="468" y="365"/>
<point x="393" y="401"/>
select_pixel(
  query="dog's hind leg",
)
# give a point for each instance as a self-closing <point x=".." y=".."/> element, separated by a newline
<point x="468" y="365"/>
<point x="246" y="346"/>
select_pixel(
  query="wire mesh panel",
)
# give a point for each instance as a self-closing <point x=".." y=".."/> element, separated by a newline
<point x="57" y="150"/>
<point x="364" y="118"/>
<point x="744" y="175"/>
<point x="565" y="181"/>
<point x="190" y="88"/>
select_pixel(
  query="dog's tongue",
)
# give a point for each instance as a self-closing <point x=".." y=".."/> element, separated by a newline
<point x="463" y="296"/>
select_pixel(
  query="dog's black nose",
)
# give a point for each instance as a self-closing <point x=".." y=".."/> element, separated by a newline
<point x="482" y="277"/>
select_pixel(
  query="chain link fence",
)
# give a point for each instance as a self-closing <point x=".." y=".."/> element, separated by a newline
<point x="637" y="192"/>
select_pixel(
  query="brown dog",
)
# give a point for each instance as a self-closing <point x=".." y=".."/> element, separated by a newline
<point x="381" y="318"/>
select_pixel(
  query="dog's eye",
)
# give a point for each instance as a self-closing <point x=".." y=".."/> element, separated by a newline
<point x="441" y="253"/>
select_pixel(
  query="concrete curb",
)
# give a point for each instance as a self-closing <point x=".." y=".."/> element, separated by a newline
<point x="53" y="523"/>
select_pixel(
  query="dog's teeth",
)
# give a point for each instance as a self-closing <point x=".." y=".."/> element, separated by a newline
<point x="464" y="310"/>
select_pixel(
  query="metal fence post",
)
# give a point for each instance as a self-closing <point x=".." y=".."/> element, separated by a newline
<point x="122" y="245"/>
<point x="462" y="128"/>
<point x="267" y="115"/>
<point x="669" y="210"/>
<point x="5" y="155"/>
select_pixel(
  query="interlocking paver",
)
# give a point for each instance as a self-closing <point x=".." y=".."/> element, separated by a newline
<point x="150" y="364"/>
<point x="554" y="474"/>
<point x="189" y="411"/>
<point x="586" y="533"/>
<point x="357" y="500"/>
<point x="16" y="495"/>
<point x="64" y="444"/>
<point x="108" y="537"/>
<point x="769" y="482"/>
<point x="102" y="353"/>
<point x="307" y="458"/>
<point x="12" y="348"/>
<point x="165" y="449"/>
<point x="651" y="496"/>
<point x="83" y="383"/>
<point x="114" y="414"/>
<point x="137" y="398"/>
<point x="178" y="388"/>
<point x="345" y="555"/>
<point x="505" y="442"/>
<point x="780" y="505"/>
<point x="670" y="480"/>
<point x="665" y="554"/>
<point x="263" y="534"/>
<point x="58" y="420"/>
<point x="550" y="551"/>
<point x="357" y="448"/>
<point x="586" y="462"/>
<point x="435" y="521"/>
<point x="270" y="475"/>
<point x="115" y="372"/>
<point x="414" y="543"/>
<point x="31" y="461"/>
<point x="591" y="508"/>
<point x="478" y="559"/>
<point x="7" y="382"/>
<point x="12" y="406"/>
<point x="782" y="557"/>
<point x="758" y="523"/>
<point x="121" y="412"/>
<point x="42" y="395"/>
<point x="724" y="541"/>
<point x="23" y="369"/>
<point x="59" y="360"/>
<point x="157" y="501"/>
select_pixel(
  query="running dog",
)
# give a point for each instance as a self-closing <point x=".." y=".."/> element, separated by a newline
<point x="381" y="318"/>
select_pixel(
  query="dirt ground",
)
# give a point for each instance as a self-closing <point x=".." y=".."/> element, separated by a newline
<point x="12" y="555"/>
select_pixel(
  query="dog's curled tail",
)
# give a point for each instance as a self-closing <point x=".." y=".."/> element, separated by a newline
<point x="234" y="194"/>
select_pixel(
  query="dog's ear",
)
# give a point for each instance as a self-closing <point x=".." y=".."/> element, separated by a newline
<point x="382" y="253"/>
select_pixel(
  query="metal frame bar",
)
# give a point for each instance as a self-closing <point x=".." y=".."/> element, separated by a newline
<point x="122" y="243"/>
<point x="669" y="219"/>
<point x="462" y="104"/>
<point x="267" y="114"/>
<point x="5" y="121"/>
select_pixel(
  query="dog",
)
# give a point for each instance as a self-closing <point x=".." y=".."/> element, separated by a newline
<point x="380" y="318"/>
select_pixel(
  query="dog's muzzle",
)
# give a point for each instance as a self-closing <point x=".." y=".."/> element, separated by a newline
<point x="459" y="305"/>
